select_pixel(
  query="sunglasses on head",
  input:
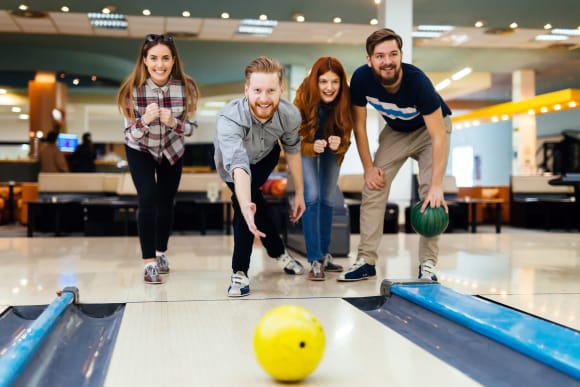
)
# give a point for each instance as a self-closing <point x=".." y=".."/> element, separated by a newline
<point x="166" y="38"/>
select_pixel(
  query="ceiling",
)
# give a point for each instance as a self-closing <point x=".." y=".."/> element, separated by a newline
<point x="214" y="55"/>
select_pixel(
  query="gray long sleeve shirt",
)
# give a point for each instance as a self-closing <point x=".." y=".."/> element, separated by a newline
<point x="240" y="140"/>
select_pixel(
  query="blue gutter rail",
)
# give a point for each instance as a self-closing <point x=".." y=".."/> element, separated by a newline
<point x="549" y="343"/>
<point x="13" y="361"/>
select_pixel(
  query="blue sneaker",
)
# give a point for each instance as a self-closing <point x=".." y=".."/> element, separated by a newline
<point x="360" y="270"/>
<point x="427" y="271"/>
<point x="239" y="285"/>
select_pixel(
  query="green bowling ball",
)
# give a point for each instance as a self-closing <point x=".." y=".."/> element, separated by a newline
<point x="430" y="223"/>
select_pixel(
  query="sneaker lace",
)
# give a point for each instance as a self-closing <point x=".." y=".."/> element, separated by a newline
<point x="316" y="269"/>
<point x="151" y="270"/>
<point x="358" y="263"/>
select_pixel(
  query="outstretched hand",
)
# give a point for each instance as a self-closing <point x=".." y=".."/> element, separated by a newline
<point x="249" y="211"/>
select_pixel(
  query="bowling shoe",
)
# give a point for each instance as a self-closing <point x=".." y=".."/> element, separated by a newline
<point x="162" y="264"/>
<point x="427" y="270"/>
<point x="316" y="273"/>
<point x="360" y="270"/>
<point x="151" y="275"/>
<point x="239" y="285"/>
<point x="289" y="264"/>
<point x="329" y="265"/>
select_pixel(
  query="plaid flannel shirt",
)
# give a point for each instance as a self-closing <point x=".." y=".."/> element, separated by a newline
<point x="158" y="139"/>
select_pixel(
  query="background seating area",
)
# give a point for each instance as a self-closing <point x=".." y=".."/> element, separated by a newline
<point x="537" y="204"/>
<point x="106" y="203"/>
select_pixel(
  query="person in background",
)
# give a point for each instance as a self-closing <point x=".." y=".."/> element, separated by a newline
<point x="158" y="101"/>
<point x="418" y="126"/>
<point x="85" y="155"/>
<point x="247" y="136"/>
<point x="51" y="158"/>
<point x="323" y="100"/>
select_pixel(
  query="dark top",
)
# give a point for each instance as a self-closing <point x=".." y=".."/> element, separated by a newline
<point x="404" y="109"/>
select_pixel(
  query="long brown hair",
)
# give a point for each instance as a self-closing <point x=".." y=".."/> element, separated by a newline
<point x="139" y="75"/>
<point x="307" y="100"/>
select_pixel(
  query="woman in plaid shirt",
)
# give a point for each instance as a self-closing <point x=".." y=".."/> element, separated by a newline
<point x="158" y="101"/>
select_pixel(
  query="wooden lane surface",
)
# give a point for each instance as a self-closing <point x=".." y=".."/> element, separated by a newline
<point x="210" y="343"/>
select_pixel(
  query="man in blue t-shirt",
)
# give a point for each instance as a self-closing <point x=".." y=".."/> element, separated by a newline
<point x="417" y="126"/>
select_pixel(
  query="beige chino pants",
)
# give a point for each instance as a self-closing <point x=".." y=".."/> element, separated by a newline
<point x="394" y="149"/>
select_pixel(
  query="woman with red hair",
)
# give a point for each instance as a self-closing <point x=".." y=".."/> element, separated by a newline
<point x="323" y="99"/>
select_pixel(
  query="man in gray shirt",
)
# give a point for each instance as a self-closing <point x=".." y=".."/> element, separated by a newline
<point x="247" y="137"/>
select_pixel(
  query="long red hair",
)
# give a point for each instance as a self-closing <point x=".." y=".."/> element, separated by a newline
<point x="307" y="100"/>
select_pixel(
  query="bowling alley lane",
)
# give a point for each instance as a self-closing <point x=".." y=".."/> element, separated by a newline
<point x="210" y="343"/>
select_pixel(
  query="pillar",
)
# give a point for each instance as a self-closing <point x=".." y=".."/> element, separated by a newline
<point x="47" y="109"/>
<point x="398" y="16"/>
<point x="523" y="125"/>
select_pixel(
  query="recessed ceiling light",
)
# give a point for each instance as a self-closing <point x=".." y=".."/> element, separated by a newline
<point x="263" y="17"/>
<point x="23" y="7"/>
<point x="337" y="20"/>
<point x="566" y="31"/>
<point x="110" y="21"/>
<point x="550" y="38"/>
<point x="146" y="12"/>
<point x="374" y="22"/>
<point x="547" y="26"/>
<point x="479" y="24"/>
<point x="514" y="25"/>
<point x="225" y="15"/>
<point x="438" y="28"/>
<point x="186" y="14"/>
<point x="64" y="8"/>
<point x="299" y="17"/>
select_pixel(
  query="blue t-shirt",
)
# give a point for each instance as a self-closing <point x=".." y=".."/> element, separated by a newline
<point x="404" y="109"/>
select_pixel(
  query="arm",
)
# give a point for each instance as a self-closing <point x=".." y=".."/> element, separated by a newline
<point x="295" y="165"/>
<point x="440" y="143"/>
<point x="373" y="175"/>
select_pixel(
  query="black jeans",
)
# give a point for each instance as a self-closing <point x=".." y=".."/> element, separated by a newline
<point x="243" y="238"/>
<point x="156" y="186"/>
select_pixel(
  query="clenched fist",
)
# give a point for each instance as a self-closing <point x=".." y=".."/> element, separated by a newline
<point x="333" y="142"/>
<point x="319" y="146"/>
<point x="151" y="113"/>
<point x="166" y="117"/>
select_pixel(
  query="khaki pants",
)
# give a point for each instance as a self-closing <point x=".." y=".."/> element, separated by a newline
<point x="394" y="149"/>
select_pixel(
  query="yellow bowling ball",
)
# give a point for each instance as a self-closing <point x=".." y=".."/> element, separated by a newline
<point x="289" y="343"/>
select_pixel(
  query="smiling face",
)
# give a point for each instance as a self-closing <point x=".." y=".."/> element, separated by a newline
<point x="386" y="63"/>
<point x="329" y="86"/>
<point x="159" y="63"/>
<point x="263" y="91"/>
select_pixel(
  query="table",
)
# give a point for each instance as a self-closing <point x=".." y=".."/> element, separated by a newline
<point x="472" y="207"/>
<point x="54" y="207"/>
<point x="204" y="203"/>
<point x="100" y="216"/>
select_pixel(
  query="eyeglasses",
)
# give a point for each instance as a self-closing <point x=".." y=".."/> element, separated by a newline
<point x="165" y="38"/>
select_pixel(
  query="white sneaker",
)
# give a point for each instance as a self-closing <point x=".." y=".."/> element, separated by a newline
<point x="239" y="285"/>
<point x="290" y="265"/>
<point x="427" y="270"/>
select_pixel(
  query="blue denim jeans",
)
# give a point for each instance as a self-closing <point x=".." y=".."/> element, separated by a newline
<point x="320" y="178"/>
